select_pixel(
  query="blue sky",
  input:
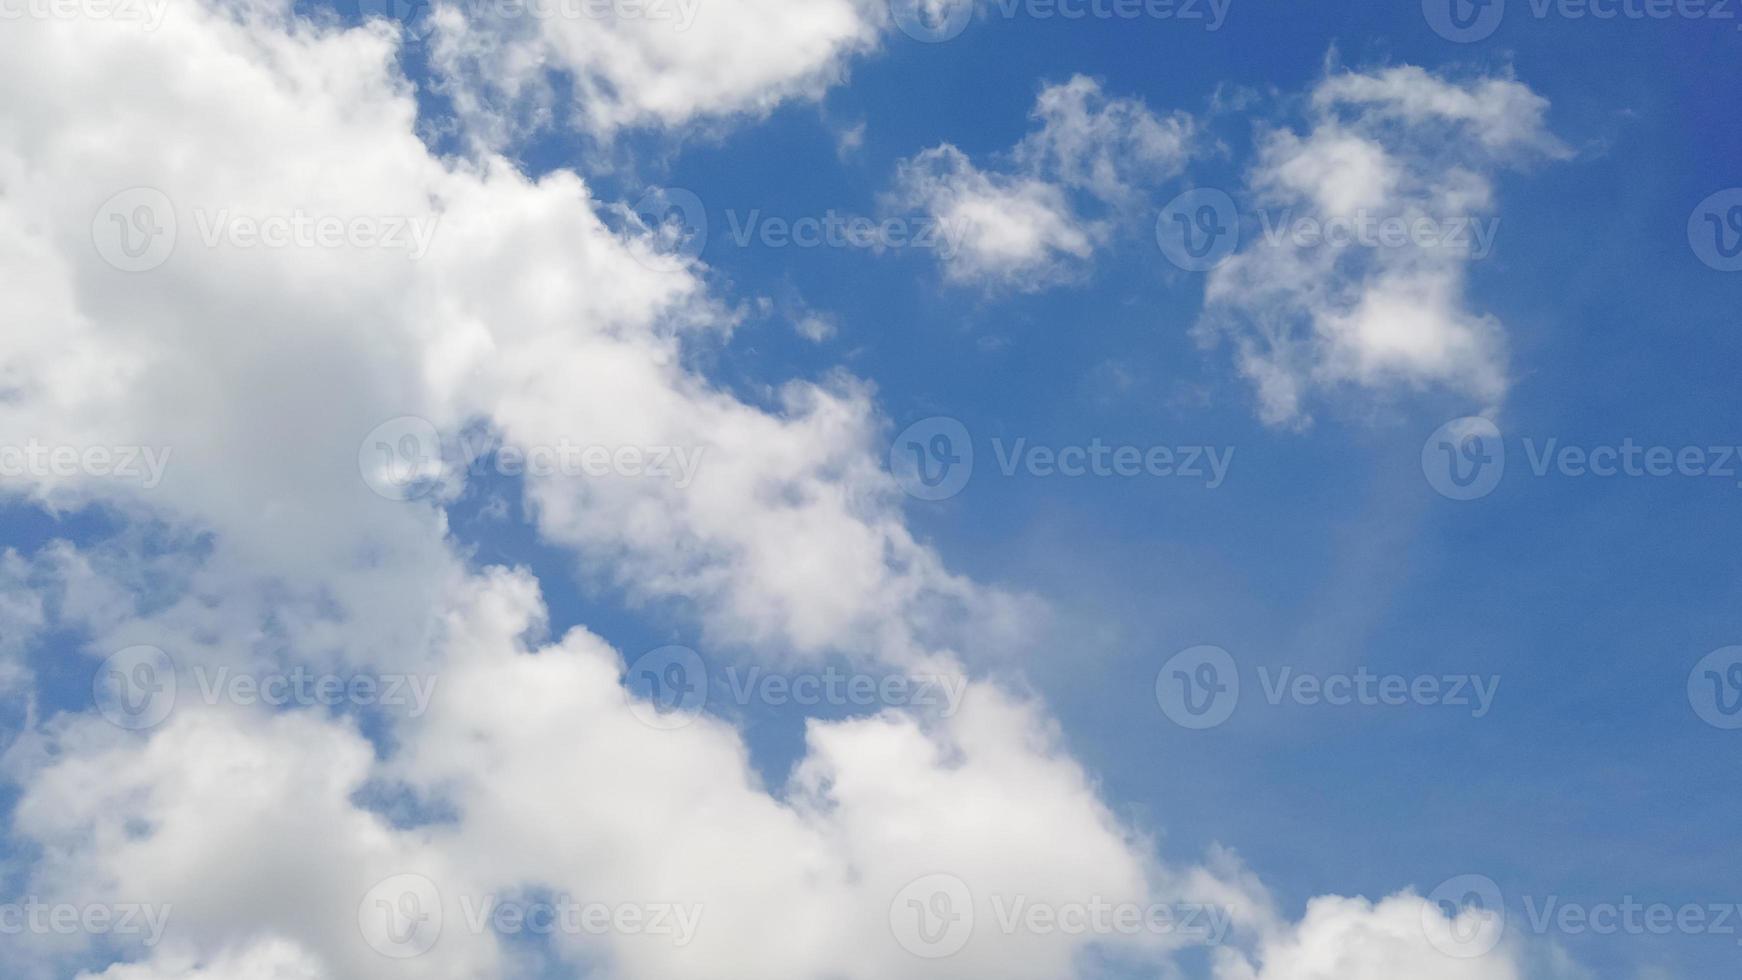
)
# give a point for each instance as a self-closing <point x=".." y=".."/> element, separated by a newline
<point x="1591" y="599"/>
<point x="1326" y="550"/>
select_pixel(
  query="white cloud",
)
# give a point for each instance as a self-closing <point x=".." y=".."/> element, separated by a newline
<point x="560" y="787"/>
<point x="1110" y="147"/>
<point x="661" y="63"/>
<point x="1354" y="939"/>
<point x="267" y="959"/>
<point x="1024" y="228"/>
<point x="1399" y="146"/>
<point x="1019" y="232"/>
<point x="528" y="315"/>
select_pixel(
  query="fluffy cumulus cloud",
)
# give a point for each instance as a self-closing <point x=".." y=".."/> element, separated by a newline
<point x="525" y="316"/>
<point x="1356" y="274"/>
<point x="255" y="268"/>
<point x="1035" y="221"/>
<point x="1017" y="231"/>
<point x="1110" y="147"/>
<point x="562" y="787"/>
<point x="1355" y="939"/>
<point x="642" y="62"/>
